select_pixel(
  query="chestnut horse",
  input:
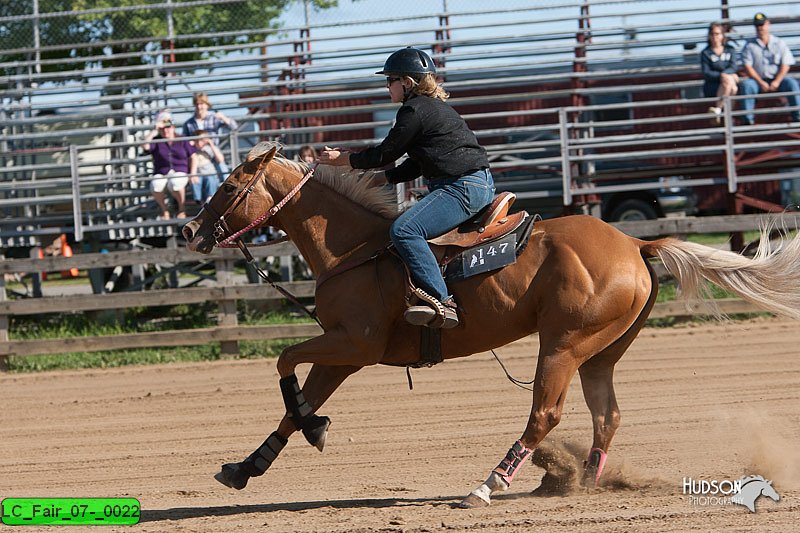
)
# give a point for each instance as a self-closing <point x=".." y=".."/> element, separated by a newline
<point x="586" y="287"/>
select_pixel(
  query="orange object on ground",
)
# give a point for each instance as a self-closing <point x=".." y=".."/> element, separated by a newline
<point x="66" y="251"/>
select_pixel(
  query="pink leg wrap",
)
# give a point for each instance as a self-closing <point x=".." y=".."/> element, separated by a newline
<point x="513" y="461"/>
<point x="595" y="464"/>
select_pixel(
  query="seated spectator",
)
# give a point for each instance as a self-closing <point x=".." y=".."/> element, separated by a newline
<point x="211" y="168"/>
<point x="719" y="66"/>
<point x="173" y="162"/>
<point x="307" y="154"/>
<point x="767" y="60"/>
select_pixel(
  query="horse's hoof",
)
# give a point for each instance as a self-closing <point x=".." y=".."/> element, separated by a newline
<point x="553" y="485"/>
<point x="232" y="476"/>
<point x="315" y="430"/>
<point x="472" y="501"/>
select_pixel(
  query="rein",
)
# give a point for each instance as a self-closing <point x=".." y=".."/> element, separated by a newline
<point x="234" y="240"/>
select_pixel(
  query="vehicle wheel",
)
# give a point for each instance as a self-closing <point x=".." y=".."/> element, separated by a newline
<point x="633" y="210"/>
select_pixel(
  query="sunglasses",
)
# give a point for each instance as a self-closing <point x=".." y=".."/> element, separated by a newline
<point x="391" y="80"/>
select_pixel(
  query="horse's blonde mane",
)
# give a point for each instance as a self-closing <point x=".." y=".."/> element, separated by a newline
<point x="352" y="184"/>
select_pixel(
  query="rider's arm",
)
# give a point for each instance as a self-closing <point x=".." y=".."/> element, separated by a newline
<point x="400" y="137"/>
<point x="407" y="171"/>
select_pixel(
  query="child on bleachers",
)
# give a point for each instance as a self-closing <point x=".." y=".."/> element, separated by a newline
<point x="211" y="168"/>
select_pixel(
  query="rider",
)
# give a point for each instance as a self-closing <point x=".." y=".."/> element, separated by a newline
<point x="441" y="148"/>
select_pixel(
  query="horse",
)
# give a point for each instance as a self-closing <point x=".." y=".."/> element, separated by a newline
<point x="584" y="286"/>
<point x="753" y="487"/>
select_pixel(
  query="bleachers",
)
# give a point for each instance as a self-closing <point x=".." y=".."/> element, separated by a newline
<point x="70" y="158"/>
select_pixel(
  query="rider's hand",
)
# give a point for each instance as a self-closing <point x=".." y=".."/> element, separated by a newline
<point x="336" y="157"/>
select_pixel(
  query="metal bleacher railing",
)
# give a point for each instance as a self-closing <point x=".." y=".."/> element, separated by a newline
<point x="560" y="111"/>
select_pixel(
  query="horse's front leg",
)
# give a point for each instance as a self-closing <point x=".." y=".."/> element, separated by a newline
<point x="320" y="384"/>
<point x="334" y="348"/>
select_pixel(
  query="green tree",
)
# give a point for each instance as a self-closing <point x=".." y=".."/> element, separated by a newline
<point x="130" y="37"/>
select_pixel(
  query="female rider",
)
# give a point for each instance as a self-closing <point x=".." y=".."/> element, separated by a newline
<point x="442" y="149"/>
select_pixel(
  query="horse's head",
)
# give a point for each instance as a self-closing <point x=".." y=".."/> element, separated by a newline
<point x="241" y="199"/>
<point x="769" y="491"/>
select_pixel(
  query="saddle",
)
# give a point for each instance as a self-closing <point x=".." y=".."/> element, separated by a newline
<point x="490" y="223"/>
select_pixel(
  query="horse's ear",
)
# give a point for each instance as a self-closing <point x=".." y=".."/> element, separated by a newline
<point x="264" y="160"/>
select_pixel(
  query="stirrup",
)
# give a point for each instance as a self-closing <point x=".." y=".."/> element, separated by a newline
<point x="434" y="315"/>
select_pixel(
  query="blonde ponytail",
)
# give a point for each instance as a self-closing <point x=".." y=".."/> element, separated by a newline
<point x="427" y="86"/>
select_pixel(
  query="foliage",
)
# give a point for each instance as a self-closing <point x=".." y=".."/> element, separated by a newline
<point x="140" y="32"/>
<point x="133" y="320"/>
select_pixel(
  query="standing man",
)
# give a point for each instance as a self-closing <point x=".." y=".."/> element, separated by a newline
<point x="767" y="60"/>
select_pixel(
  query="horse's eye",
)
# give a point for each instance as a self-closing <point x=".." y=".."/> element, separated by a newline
<point x="229" y="188"/>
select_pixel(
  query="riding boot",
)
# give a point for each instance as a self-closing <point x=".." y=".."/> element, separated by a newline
<point x="424" y="315"/>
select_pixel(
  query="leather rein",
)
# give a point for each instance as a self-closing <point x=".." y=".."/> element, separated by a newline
<point x="234" y="240"/>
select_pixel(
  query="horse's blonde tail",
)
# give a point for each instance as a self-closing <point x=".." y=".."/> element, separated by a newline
<point x="770" y="280"/>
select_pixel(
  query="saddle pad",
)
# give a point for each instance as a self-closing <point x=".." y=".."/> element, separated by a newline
<point x="491" y="255"/>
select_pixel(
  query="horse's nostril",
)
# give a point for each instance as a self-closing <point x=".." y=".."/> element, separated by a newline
<point x="188" y="234"/>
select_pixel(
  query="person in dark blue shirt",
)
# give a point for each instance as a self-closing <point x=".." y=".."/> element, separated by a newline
<point x="441" y="148"/>
<point x="719" y="65"/>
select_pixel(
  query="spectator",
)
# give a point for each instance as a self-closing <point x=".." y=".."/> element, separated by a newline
<point x="173" y="162"/>
<point x="209" y="160"/>
<point x="205" y="119"/>
<point x="719" y="66"/>
<point x="307" y="154"/>
<point x="767" y="60"/>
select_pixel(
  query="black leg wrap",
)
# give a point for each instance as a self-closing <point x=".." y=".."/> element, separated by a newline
<point x="236" y="475"/>
<point x="300" y="413"/>
<point x="296" y="406"/>
<point x="260" y="460"/>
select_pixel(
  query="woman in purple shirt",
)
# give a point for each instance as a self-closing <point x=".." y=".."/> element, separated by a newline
<point x="174" y="162"/>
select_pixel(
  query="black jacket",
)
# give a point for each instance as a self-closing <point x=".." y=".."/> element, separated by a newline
<point x="437" y="140"/>
<point x="713" y="65"/>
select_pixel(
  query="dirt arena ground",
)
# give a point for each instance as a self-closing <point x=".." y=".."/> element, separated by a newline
<point x="713" y="401"/>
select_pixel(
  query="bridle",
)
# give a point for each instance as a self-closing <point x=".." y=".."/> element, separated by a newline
<point x="233" y="239"/>
<point x="224" y="236"/>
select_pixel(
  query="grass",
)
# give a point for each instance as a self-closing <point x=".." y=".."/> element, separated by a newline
<point x="136" y="320"/>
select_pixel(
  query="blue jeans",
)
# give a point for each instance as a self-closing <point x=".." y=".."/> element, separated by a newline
<point x="750" y="86"/>
<point x="205" y="188"/>
<point x="449" y="203"/>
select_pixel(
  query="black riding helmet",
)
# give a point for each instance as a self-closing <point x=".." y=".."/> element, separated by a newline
<point x="411" y="61"/>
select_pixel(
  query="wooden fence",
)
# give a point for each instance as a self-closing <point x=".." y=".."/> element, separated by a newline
<point x="225" y="293"/>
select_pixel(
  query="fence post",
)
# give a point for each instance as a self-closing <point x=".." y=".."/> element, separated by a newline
<point x="730" y="160"/>
<point x="36" y="277"/>
<point x="227" y="308"/>
<point x="77" y="216"/>
<point x="566" y="176"/>
<point x="3" y="324"/>
<point x="233" y="144"/>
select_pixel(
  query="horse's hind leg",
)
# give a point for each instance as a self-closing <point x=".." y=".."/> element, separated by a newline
<point x="320" y="384"/>
<point x="553" y="374"/>
<point x="597" y="380"/>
